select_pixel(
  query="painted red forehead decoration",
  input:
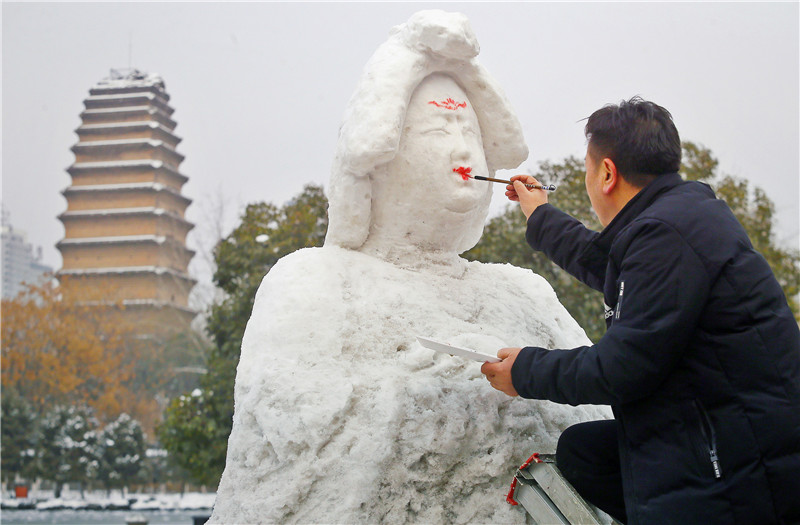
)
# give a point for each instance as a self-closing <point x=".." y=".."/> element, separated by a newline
<point x="449" y="104"/>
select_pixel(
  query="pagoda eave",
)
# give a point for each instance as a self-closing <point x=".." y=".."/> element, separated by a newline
<point x="127" y="270"/>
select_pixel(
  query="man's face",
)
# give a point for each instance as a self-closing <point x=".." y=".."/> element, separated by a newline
<point x="595" y="175"/>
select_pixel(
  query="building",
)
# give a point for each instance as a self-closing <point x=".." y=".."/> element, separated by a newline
<point x="20" y="264"/>
<point x="125" y="230"/>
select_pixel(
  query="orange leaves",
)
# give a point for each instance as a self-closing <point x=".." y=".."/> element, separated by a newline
<point x="61" y="347"/>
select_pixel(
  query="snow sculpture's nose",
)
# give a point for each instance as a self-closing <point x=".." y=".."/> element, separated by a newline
<point x="461" y="152"/>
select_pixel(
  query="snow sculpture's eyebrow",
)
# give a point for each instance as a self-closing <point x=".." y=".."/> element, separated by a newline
<point x="449" y="104"/>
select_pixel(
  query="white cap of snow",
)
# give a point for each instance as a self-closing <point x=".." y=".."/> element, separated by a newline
<point x="125" y="77"/>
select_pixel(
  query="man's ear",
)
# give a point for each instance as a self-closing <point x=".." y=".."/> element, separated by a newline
<point x="610" y="176"/>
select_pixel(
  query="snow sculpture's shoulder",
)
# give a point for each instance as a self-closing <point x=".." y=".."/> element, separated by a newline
<point x="302" y="272"/>
<point x="526" y="281"/>
<point x="299" y="303"/>
<point x="510" y="291"/>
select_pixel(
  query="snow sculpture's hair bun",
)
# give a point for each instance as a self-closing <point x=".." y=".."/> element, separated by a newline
<point x="430" y="42"/>
<point x="447" y="34"/>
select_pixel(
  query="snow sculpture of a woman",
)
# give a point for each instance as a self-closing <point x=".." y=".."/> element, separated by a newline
<point x="340" y="416"/>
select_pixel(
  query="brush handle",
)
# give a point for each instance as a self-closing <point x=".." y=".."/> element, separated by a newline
<point x="550" y="187"/>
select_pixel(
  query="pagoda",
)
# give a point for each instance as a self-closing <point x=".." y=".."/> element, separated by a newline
<point x="125" y="230"/>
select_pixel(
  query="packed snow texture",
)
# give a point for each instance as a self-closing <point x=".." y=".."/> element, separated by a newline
<point x="340" y="415"/>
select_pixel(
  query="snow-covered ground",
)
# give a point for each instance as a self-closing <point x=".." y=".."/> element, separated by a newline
<point x="101" y="501"/>
<point x="97" y="508"/>
<point x="105" y="517"/>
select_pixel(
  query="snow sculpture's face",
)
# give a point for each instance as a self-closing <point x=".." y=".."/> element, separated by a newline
<point x="441" y="147"/>
<point x="425" y="196"/>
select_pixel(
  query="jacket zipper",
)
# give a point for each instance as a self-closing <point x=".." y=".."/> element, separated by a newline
<point x="619" y="299"/>
<point x="711" y="437"/>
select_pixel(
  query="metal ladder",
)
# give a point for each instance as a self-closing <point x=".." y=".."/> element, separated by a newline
<point x="549" y="499"/>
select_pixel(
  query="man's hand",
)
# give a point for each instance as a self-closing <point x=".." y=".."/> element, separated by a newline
<point x="499" y="374"/>
<point x="528" y="199"/>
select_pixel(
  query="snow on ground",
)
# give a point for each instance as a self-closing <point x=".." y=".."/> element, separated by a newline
<point x="44" y="500"/>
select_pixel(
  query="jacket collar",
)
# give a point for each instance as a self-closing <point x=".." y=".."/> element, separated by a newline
<point x="597" y="251"/>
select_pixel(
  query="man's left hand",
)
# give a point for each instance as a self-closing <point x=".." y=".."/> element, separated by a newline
<point x="499" y="374"/>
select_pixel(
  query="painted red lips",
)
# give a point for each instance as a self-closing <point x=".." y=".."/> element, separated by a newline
<point x="464" y="172"/>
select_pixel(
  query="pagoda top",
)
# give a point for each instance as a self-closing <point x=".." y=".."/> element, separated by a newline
<point x="130" y="77"/>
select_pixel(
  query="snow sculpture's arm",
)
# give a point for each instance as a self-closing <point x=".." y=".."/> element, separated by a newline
<point x="291" y="346"/>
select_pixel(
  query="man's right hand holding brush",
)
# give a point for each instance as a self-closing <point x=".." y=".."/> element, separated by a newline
<point x="529" y="199"/>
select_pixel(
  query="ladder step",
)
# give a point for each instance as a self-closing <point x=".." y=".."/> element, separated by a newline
<point x="550" y="499"/>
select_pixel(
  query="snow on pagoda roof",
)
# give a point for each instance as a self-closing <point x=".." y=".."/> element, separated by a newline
<point x="153" y="143"/>
<point x="154" y="98"/>
<point x="145" y="210"/>
<point x="155" y="164"/>
<point x="142" y="302"/>
<point x="130" y="77"/>
<point x="120" y="239"/>
<point x="127" y="186"/>
<point x="118" y="96"/>
<point x="139" y="124"/>
<point x="158" y="270"/>
<point x="156" y="303"/>
<point x="123" y="109"/>
<point x="117" y="142"/>
<point x="152" y="124"/>
<point x="119" y="164"/>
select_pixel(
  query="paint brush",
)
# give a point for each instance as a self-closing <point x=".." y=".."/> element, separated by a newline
<point x="550" y="187"/>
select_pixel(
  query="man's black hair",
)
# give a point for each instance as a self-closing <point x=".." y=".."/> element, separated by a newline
<point x="639" y="136"/>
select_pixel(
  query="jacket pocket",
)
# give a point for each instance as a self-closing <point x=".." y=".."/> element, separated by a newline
<point x="709" y="437"/>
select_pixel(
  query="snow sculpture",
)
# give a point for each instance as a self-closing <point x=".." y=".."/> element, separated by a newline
<point x="341" y="416"/>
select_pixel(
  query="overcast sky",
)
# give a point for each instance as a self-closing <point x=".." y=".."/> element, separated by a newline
<point x="259" y="89"/>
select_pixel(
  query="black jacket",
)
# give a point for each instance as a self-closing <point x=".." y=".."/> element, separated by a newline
<point x="700" y="362"/>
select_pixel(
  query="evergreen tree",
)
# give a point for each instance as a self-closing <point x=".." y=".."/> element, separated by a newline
<point x="120" y="451"/>
<point x="196" y="426"/>
<point x="68" y="447"/>
<point x="19" y="438"/>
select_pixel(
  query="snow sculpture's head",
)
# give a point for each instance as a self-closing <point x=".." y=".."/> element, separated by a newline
<point x="424" y="115"/>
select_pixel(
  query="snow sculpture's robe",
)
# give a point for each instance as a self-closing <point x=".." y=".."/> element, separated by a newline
<point x="341" y="416"/>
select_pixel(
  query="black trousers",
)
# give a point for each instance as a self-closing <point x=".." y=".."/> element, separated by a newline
<point x="588" y="456"/>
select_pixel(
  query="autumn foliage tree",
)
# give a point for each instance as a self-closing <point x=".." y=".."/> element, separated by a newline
<point x="57" y="350"/>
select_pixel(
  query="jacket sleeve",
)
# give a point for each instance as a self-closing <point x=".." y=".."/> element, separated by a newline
<point x="665" y="290"/>
<point x="564" y="240"/>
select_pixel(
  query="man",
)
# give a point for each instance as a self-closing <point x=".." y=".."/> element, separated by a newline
<point x="701" y="359"/>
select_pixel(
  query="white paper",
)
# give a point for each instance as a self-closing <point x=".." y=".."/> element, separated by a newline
<point x="455" y="350"/>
